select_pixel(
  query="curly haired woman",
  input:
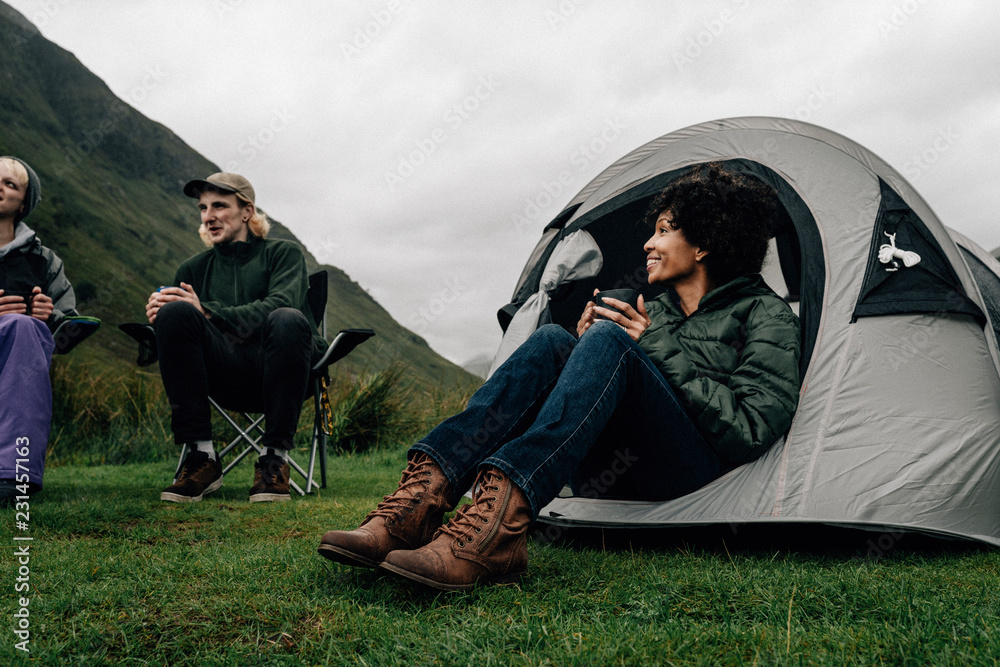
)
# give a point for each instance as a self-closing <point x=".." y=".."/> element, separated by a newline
<point x="667" y="396"/>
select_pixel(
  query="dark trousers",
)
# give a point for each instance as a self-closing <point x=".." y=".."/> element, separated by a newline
<point x="267" y="372"/>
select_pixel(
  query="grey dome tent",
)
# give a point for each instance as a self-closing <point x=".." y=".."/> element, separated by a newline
<point x="898" y="425"/>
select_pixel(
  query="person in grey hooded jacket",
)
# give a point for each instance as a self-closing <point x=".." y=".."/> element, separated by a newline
<point x="35" y="297"/>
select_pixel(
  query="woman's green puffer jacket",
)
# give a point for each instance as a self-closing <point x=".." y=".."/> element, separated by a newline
<point x="734" y="363"/>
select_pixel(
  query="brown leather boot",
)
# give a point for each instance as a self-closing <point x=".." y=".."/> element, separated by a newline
<point x="485" y="542"/>
<point x="407" y="519"/>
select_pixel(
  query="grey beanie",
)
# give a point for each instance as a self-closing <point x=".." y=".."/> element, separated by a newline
<point x="33" y="195"/>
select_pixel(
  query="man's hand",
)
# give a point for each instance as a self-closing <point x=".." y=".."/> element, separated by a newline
<point x="167" y="294"/>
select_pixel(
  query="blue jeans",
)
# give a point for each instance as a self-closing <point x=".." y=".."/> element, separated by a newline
<point x="594" y="412"/>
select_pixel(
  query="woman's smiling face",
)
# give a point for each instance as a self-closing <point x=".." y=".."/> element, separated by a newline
<point x="670" y="259"/>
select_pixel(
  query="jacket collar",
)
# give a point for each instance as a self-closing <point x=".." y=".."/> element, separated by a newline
<point x="238" y="250"/>
<point x="23" y="237"/>
<point x="733" y="289"/>
<point x="726" y="294"/>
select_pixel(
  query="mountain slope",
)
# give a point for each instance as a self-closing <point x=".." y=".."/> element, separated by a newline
<point x="113" y="208"/>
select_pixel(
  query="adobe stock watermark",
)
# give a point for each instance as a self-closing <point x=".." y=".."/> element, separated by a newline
<point x="816" y="100"/>
<point x="326" y="252"/>
<point x="619" y="463"/>
<point x="442" y="301"/>
<point x="560" y="14"/>
<point x="20" y="34"/>
<point x="710" y="30"/>
<point x="22" y="546"/>
<point x="553" y="188"/>
<point x="92" y="138"/>
<point x="47" y="10"/>
<point x="920" y="163"/>
<point x="453" y="118"/>
<point x="899" y="16"/>
<point x="367" y="34"/>
<point x="223" y="7"/>
<point x="882" y="545"/>
<point x="256" y="142"/>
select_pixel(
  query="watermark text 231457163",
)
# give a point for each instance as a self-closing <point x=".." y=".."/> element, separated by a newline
<point x="22" y="551"/>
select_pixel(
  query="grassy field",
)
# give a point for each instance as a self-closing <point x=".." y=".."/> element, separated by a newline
<point x="118" y="577"/>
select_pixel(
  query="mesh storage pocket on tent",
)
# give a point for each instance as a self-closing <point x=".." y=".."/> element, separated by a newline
<point x="928" y="286"/>
<point x="989" y="287"/>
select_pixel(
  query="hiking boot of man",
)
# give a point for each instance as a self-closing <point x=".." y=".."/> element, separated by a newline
<point x="270" y="480"/>
<point x="407" y="519"/>
<point x="199" y="476"/>
<point x="485" y="542"/>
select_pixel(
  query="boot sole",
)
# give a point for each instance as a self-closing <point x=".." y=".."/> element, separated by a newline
<point x="344" y="557"/>
<point x="178" y="498"/>
<point x="512" y="578"/>
<point x="269" y="497"/>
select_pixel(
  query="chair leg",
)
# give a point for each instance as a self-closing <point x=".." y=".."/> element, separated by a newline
<point x="251" y="436"/>
<point x="322" y="458"/>
<point x="180" y="462"/>
<point x="310" y="480"/>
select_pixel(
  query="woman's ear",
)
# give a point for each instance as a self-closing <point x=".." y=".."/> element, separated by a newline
<point x="699" y="254"/>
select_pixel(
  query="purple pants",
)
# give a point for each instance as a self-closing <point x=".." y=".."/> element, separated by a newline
<point x="25" y="396"/>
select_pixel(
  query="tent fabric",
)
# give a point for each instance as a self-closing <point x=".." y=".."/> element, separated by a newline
<point x="898" y="425"/>
<point x="575" y="256"/>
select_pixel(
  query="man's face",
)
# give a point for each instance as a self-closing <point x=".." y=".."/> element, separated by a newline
<point x="224" y="217"/>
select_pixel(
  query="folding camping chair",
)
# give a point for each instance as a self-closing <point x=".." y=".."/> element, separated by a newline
<point x="249" y="434"/>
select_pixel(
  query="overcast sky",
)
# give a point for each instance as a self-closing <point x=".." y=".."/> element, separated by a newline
<point x="401" y="141"/>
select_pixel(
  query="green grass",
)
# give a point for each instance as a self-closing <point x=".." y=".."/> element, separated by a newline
<point x="119" y="577"/>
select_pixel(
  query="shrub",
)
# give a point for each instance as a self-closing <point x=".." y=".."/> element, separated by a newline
<point x="369" y="412"/>
<point x="121" y="415"/>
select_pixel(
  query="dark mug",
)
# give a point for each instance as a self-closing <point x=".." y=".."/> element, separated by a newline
<point x="26" y="295"/>
<point x="629" y="296"/>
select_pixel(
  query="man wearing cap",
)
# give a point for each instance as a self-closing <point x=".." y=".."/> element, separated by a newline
<point x="235" y="325"/>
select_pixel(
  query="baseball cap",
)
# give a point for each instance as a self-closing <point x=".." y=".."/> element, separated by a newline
<point x="223" y="180"/>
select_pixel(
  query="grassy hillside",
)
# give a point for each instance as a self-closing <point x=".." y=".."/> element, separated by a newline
<point x="113" y="209"/>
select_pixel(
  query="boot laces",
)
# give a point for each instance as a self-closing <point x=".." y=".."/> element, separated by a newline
<point x="268" y="473"/>
<point x="471" y="517"/>
<point x="189" y="468"/>
<point x="412" y="484"/>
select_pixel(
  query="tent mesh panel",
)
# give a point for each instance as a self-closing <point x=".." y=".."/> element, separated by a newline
<point x="931" y="286"/>
<point x="989" y="286"/>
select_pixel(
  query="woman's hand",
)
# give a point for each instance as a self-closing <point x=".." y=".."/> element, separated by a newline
<point x="633" y="320"/>
<point x="587" y="319"/>
<point x="11" y="304"/>
<point x="41" y="304"/>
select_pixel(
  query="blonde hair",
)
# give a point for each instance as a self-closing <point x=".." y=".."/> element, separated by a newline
<point x="18" y="169"/>
<point x="258" y="223"/>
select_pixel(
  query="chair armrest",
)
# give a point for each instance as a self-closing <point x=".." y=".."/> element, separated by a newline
<point x="345" y="341"/>
<point x="146" y="337"/>
<point x="73" y="330"/>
